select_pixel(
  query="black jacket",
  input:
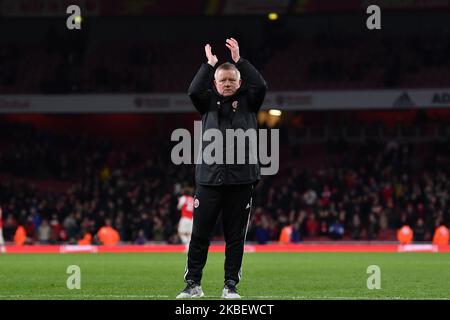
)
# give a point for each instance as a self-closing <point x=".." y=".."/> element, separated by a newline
<point x="217" y="112"/>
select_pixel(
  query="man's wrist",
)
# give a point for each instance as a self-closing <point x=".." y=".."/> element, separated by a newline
<point x="212" y="64"/>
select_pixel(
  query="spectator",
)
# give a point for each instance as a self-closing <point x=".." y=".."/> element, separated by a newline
<point x="20" y="237"/>
<point x="86" y="240"/>
<point x="107" y="235"/>
<point x="71" y="226"/>
<point x="312" y="226"/>
<point x="55" y="229"/>
<point x="373" y="227"/>
<point x="286" y="234"/>
<point x="141" y="239"/>
<point x="310" y="197"/>
<point x="419" y="231"/>
<point x="356" y="227"/>
<point x="158" y="229"/>
<point x="9" y="228"/>
<point x="262" y="231"/>
<point x="44" y="232"/>
<point x="336" y="230"/>
<point x="405" y="235"/>
<point x="441" y="236"/>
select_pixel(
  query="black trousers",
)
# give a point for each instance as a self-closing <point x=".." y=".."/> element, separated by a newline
<point x="234" y="201"/>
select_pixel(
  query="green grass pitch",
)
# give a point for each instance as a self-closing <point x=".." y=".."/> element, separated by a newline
<point x="283" y="276"/>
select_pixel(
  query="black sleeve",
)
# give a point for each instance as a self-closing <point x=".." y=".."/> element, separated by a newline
<point x="255" y="83"/>
<point x="200" y="89"/>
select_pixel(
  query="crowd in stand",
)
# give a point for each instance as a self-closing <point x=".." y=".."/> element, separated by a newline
<point x="326" y="61"/>
<point x="374" y="187"/>
<point x="379" y="187"/>
<point x="135" y="192"/>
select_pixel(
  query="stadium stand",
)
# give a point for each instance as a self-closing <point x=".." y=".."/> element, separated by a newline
<point x="368" y="172"/>
<point x="122" y="62"/>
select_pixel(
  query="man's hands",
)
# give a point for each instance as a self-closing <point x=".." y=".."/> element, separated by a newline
<point x="233" y="45"/>
<point x="212" y="59"/>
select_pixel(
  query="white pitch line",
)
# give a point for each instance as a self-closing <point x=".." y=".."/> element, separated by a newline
<point x="216" y="297"/>
<point x="312" y="298"/>
<point x="337" y="298"/>
<point x="83" y="296"/>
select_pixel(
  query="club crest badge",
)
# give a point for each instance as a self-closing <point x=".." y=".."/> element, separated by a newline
<point x="234" y="105"/>
<point x="196" y="203"/>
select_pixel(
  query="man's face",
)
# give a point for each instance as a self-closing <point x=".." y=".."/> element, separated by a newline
<point x="227" y="82"/>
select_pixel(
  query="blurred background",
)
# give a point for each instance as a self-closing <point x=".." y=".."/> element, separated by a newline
<point x="86" y="115"/>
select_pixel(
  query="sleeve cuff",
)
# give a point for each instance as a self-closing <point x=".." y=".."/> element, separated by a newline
<point x="240" y="61"/>
<point x="209" y="66"/>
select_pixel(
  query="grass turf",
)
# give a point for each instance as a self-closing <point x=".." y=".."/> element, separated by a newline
<point x="265" y="276"/>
